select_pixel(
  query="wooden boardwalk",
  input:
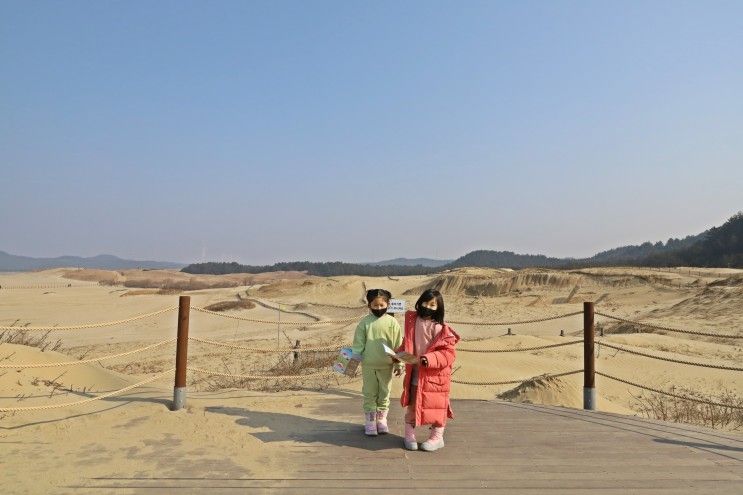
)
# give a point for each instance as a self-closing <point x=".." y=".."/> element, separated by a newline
<point x="491" y="447"/>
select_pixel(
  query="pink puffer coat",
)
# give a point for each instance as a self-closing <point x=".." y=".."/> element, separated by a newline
<point x="434" y="381"/>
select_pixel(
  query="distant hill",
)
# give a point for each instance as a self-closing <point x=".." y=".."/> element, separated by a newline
<point x="504" y="259"/>
<point x="631" y="254"/>
<point x="717" y="247"/>
<point x="624" y="255"/>
<point x="327" y="269"/>
<point x="411" y="262"/>
<point x="13" y="263"/>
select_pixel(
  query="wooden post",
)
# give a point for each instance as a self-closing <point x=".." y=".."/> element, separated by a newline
<point x="278" y="327"/>
<point x="296" y="353"/>
<point x="181" y="353"/>
<point x="589" y="364"/>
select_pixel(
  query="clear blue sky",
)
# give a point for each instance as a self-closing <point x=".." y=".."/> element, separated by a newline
<point x="267" y="131"/>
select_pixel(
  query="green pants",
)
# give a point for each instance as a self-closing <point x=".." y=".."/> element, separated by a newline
<point x="376" y="388"/>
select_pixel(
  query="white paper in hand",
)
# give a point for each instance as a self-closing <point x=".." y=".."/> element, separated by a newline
<point x="403" y="356"/>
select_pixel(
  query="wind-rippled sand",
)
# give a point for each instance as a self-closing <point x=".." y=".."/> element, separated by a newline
<point x="137" y="433"/>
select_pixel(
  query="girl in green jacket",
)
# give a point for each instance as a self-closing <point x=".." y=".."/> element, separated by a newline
<point x="373" y="332"/>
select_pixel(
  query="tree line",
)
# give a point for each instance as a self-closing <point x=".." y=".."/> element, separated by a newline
<point x="717" y="247"/>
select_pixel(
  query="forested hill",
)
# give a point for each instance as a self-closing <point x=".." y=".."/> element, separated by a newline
<point x="504" y="259"/>
<point x="333" y="268"/>
<point x="717" y="247"/>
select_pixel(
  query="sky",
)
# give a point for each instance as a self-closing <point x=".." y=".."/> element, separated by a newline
<point x="273" y="131"/>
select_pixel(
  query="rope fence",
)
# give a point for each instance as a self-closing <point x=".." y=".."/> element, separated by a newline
<point x="521" y="380"/>
<point x="670" y="360"/>
<point x="522" y="349"/>
<point x="86" y="401"/>
<point x="515" y="322"/>
<point x="669" y="329"/>
<point x="589" y="370"/>
<point x="185" y="310"/>
<point x="670" y="394"/>
<point x="257" y="377"/>
<point x="275" y="322"/>
<point x="262" y="349"/>
<point x="84" y="326"/>
<point x="84" y="361"/>
<point x="52" y="286"/>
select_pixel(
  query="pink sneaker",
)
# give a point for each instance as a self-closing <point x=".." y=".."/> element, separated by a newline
<point x="370" y="424"/>
<point x="382" y="427"/>
<point x="435" y="441"/>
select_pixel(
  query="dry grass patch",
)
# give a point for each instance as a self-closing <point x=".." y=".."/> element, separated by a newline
<point x="727" y="415"/>
<point x="231" y="305"/>
<point x="150" y="292"/>
<point x="306" y="370"/>
<point x="24" y="337"/>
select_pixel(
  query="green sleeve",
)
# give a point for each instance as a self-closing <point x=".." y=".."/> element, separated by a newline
<point x="397" y="341"/>
<point x="396" y="335"/>
<point x="359" y="339"/>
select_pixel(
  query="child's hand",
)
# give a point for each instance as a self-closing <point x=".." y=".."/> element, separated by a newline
<point x="412" y="359"/>
<point x="407" y="358"/>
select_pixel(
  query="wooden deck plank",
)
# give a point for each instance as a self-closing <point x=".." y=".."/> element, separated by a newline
<point x="491" y="447"/>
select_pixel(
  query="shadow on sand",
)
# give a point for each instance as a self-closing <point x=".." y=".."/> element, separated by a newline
<point x="292" y="428"/>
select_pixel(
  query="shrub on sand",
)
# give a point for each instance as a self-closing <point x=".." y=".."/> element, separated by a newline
<point x="727" y="415"/>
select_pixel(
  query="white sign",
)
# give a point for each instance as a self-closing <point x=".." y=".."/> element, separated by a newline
<point x="396" y="306"/>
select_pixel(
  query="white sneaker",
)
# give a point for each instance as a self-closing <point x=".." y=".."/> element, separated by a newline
<point x="435" y="441"/>
<point x="370" y="424"/>
<point x="409" y="441"/>
<point x="382" y="427"/>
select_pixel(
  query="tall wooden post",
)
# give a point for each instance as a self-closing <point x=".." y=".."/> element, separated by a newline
<point x="181" y="353"/>
<point x="589" y="363"/>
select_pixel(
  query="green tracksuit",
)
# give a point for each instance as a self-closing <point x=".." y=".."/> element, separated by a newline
<point x="376" y="365"/>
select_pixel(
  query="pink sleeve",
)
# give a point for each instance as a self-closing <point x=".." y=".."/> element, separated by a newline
<point x="442" y="357"/>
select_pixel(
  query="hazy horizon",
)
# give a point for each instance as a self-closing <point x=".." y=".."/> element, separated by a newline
<point x="347" y="261"/>
<point x="333" y="131"/>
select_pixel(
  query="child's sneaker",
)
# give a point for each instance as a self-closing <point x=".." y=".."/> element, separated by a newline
<point x="435" y="441"/>
<point x="382" y="427"/>
<point x="370" y="425"/>
<point x="409" y="441"/>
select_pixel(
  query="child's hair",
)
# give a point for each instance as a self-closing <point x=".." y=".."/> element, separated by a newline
<point x="429" y="294"/>
<point x="375" y="293"/>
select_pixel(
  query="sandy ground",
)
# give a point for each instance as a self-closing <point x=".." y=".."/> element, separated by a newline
<point x="140" y="423"/>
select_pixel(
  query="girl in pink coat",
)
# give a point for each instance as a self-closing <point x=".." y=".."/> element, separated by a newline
<point x="428" y="381"/>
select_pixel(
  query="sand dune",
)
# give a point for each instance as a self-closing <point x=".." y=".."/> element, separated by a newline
<point x="546" y="390"/>
<point x="171" y="279"/>
<point x="471" y="295"/>
<point x="139" y="420"/>
<point x="42" y="386"/>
